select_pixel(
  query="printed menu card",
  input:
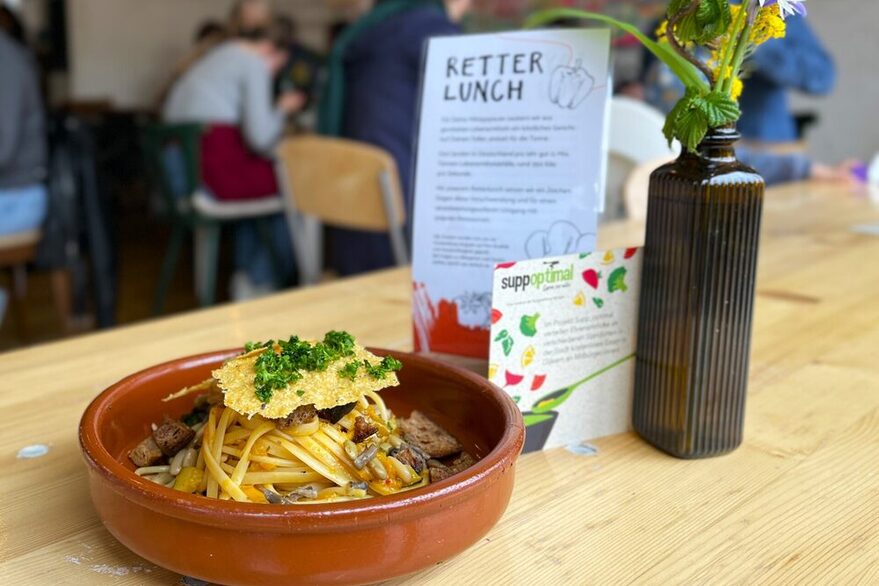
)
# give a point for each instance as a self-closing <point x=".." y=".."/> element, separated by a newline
<point x="510" y="165"/>
<point x="563" y="341"/>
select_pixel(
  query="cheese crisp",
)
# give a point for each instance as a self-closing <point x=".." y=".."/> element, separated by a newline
<point x="322" y="388"/>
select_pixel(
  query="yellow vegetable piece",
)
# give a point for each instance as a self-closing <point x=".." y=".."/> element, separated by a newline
<point x="255" y="495"/>
<point x="608" y="257"/>
<point x="492" y="370"/>
<point x="528" y="356"/>
<point x="189" y="479"/>
<point x="580" y="299"/>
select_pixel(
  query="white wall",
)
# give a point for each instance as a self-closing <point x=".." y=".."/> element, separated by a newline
<point x="849" y="126"/>
<point x="123" y="50"/>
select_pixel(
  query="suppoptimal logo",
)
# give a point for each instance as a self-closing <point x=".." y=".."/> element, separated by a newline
<point x="552" y="274"/>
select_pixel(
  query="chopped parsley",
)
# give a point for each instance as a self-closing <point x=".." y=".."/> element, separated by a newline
<point x="277" y="369"/>
<point x="300" y="392"/>
<point x="349" y="371"/>
<point x="381" y="370"/>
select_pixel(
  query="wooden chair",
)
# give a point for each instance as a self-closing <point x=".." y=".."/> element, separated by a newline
<point x="635" y="138"/>
<point x="340" y="183"/>
<point x="16" y="251"/>
<point x="190" y="209"/>
<point x="636" y="187"/>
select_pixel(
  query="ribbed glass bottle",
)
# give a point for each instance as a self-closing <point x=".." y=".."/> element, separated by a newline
<point x="697" y="299"/>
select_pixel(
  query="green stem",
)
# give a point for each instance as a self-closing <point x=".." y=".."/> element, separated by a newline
<point x="739" y="56"/>
<point x="720" y="80"/>
<point x="539" y="408"/>
<point x="678" y="48"/>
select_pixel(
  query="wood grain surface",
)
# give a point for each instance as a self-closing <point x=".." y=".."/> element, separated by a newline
<point x="797" y="503"/>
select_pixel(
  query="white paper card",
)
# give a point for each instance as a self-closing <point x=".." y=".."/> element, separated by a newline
<point x="510" y="165"/>
<point x="563" y="343"/>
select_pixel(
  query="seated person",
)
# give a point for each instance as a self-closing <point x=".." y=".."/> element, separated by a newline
<point x="372" y="96"/>
<point x="23" y="150"/>
<point x="796" y="62"/>
<point x="229" y="90"/>
<point x="661" y="89"/>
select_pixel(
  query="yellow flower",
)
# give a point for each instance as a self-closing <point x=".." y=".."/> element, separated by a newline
<point x="736" y="88"/>
<point x="662" y="30"/>
<point x="769" y="25"/>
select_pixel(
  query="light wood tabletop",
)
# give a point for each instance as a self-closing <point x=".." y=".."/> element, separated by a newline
<point x="798" y="502"/>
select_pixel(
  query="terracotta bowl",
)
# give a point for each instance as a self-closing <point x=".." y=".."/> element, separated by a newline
<point x="343" y="543"/>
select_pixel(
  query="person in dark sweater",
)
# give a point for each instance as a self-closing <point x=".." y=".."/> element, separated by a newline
<point x="372" y="96"/>
<point x="23" y="148"/>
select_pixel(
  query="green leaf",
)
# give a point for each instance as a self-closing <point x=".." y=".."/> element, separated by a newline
<point x="719" y="109"/>
<point x="691" y="127"/>
<point x="676" y="6"/>
<point x="670" y="129"/>
<point x="507" y="345"/>
<point x="501" y="335"/>
<point x="709" y="21"/>
<point x="535" y="418"/>
<point x="686" y="71"/>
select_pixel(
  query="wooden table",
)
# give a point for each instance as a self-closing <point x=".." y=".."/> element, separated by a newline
<point x="798" y="502"/>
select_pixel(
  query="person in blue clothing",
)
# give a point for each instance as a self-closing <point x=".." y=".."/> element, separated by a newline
<point x="23" y="143"/>
<point x="372" y="96"/>
<point x="797" y="62"/>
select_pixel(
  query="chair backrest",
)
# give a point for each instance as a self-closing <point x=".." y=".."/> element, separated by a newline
<point x="342" y="183"/>
<point x="172" y="153"/>
<point x="635" y="138"/>
<point x="636" y="186"/>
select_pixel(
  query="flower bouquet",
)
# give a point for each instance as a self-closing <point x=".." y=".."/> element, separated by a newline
<point x="728" y="32"/>
<point x="702" y="233"/>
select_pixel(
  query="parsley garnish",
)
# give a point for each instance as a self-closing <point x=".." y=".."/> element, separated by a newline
<point x="340" y="343"/>
<point x="275" y="370"/>
<point x="300" y="392"/>
<point x="349" y="371"/>
<point x="381" y="370"/>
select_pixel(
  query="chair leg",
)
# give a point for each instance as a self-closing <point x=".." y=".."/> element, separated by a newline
<point x="207" y="257"/>
<point x="266" y="234"/>
<point x="18" y="302"/>
<point x="308" y="243"/>
<point x="169" y="264"/>
<point x="61" y="295"/>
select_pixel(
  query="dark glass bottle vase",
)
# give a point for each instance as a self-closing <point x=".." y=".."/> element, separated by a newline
<point x="697" y="300"/>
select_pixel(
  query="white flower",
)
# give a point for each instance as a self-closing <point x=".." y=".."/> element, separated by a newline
<point x="787" y="7"/>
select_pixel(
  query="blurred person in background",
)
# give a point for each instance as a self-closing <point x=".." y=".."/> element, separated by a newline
<point x="766" y="116"/>
<point x="247" y="16"/>
<point x="229" y="91"/>
<point x="796" y="62"/>
<point x="10" y="24"/>
<point x="304" y="68"/>
<point x="371" y="95"/>
<point x="23" y="148"/>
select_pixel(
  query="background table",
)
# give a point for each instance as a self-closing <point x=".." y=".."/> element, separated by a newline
<point x="799" y="501"/>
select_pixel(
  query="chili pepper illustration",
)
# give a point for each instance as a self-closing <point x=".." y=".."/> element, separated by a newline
<point x="630" y="252"/>
<point x="537" y="381"/>
<point x="512" y="378"/>
<point x="591" y="277"/>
